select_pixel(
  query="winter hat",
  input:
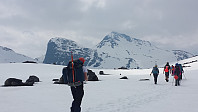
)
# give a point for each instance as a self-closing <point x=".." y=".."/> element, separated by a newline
<point x="82" y="59"/>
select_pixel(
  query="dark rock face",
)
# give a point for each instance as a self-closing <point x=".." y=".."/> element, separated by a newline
<point x="59" y="52"/>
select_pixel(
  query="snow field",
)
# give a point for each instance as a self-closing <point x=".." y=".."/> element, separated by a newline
<point x="110" y="94"/>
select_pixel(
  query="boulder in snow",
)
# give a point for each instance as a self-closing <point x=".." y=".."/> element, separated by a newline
<point x="92" y="76"/>
<point x="16" y="82"/>
<point x="33" y="79"/>
<point x="124" y="77"/>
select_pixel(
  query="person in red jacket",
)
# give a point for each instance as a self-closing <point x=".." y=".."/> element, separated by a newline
<point x="166" y="70"/>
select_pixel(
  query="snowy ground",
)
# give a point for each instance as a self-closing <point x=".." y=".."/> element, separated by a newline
<point x="108" y="95"/>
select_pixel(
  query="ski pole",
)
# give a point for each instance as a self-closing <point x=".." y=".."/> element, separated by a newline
<point x="172" y="81"/>
<point x="72" y="66"/>
<point x="184" y="76"/>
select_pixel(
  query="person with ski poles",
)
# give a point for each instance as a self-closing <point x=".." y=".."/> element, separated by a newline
<point x="155" y="73"/>
<point x="177" y="74"/>
<point x="166" y="70"/>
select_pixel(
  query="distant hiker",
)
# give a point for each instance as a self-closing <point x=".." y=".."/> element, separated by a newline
<point x="166" y="70"/>
<point x="172" y="70"/>
<point x="177" y="74"/>
<point x="182" y="71"/>
<point x="74" y="75"/>
<point x="155" y="73"/>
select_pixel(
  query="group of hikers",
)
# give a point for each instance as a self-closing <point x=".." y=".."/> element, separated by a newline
<point x="175" y="71"/>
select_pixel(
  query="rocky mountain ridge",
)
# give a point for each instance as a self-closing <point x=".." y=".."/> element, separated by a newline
<point x="114" y="51"/>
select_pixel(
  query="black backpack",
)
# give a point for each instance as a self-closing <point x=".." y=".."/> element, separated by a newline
<point x="77" y="78"/>
<point x="177" y="70"/>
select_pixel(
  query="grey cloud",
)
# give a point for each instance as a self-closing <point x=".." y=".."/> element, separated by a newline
<point x="88" y="22"/>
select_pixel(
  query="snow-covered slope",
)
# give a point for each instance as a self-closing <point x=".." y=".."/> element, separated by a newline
<point x="119" y="50"/>
<point x="108" y="95"/>
<point x="40" y="59"/>
<point x="181" y="55"/>
<point x="7" y="55"/>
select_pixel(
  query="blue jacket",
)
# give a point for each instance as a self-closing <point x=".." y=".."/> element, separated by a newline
<point x="155" y="70"/>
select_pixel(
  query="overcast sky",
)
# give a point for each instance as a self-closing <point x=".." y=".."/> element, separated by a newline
<point x="27" y="25"/>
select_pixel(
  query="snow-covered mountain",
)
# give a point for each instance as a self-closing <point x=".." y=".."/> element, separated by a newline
<point x="114" y="51"/>
<point x="59" y="51"/>
<point x="118" y="49"/>
<point x="181" y="55"/>
<point x="7" y="55"/>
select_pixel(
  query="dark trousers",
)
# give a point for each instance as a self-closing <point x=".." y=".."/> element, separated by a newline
<point x="167" y="76"/>
<point x="155" y="78"/>
<point x="77" y="93"/>
<point x="177" y="82"/>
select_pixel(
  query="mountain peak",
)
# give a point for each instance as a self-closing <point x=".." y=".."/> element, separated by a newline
<point x="117" y="36"/>
<point x="6" y="49"/>
<point x="59" y="51"/>
<point x="114" y="38"/>
<point x="59" y="41"/>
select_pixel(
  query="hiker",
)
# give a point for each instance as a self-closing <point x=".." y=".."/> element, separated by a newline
<point x="155" y="72"/>
<point x="74" y="75"/>
<point x="172" y="70"/>
<point x="78" y="91"/>
<point x="182" y="71"/>
<point x="166" y="70"/>
<point x="177" y="74"/>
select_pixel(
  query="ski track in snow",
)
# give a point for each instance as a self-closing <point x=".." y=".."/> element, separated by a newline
<point x="135" y="101"/>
